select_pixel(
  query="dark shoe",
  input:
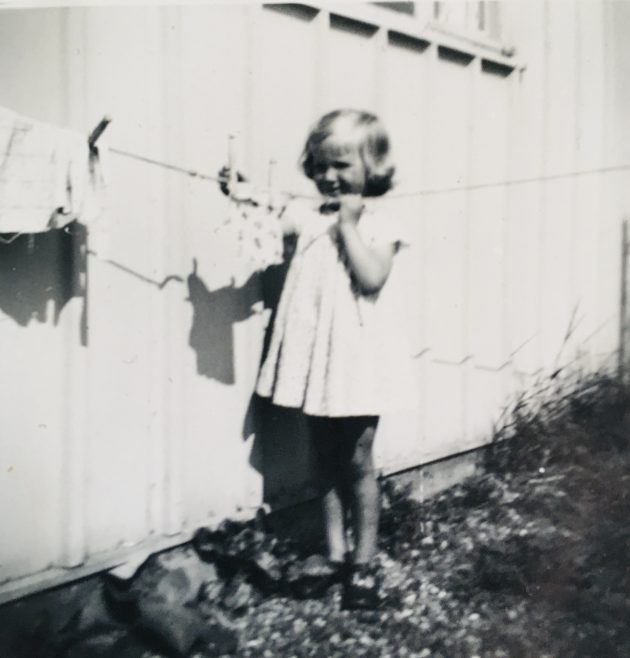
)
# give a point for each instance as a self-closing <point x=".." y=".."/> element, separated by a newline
<point x="362" y="587"/>
<point x="312" y="577"/>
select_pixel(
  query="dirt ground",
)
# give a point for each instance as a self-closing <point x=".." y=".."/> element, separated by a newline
<point x="528" y="559"/>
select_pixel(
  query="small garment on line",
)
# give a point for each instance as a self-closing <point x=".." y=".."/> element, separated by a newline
<point x="254" y="234"/>
<point x="49" y="177"/>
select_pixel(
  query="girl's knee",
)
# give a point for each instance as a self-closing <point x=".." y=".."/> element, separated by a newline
<point x="361" y="464"/>
<point x="360" y="437"/>
<point x="360" y="470"/>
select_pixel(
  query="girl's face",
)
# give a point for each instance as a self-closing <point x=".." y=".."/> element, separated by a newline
<point x="338" y="167"/>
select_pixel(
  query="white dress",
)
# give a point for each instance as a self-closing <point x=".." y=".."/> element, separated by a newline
<point x="334" y="351"/>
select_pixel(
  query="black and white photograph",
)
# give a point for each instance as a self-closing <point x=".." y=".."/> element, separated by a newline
<point x="315" y="329"/>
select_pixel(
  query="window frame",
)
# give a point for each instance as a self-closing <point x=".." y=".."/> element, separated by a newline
<point x="418" y="28"/>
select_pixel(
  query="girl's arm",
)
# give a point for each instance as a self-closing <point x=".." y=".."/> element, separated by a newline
<point x="242" y="191"/>
<point x="287" y="222"/>
<point x="370" y="265"/>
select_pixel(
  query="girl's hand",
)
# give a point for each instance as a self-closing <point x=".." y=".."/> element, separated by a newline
<point x="225" y="176"/>
<point x="351" y="208"/>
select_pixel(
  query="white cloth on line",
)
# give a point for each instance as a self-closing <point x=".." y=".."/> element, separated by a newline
<point x="48" y="176"/>
<point x="251" y="236"/>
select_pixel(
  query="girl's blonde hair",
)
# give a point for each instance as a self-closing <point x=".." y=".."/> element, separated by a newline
<point x="373" y="148"/>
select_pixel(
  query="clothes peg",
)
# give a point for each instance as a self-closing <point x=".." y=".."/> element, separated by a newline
<point x="231" y="165"/>
<point x="270" y="173"/>
<point x="98" y="131"/>
<point x="239" y="190"/>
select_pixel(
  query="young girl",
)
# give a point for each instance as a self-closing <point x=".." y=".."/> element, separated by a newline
<point x="338" y="351"/>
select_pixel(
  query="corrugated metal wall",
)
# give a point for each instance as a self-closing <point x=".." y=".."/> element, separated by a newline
<point x="127" y="421"/>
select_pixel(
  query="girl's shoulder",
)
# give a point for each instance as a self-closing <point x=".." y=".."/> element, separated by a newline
<point x="385" y="220"/>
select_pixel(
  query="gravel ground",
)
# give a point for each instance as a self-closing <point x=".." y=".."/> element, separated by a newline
<point x="528" y="559"/>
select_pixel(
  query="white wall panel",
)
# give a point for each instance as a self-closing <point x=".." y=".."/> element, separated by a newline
<point x="31" y="444"/>
<point x="523" y="271"/>
<point x="406" y="108"/>
<point x="350" y="59"/>
<point x="558" y="195"/>
<point x="125" y="349"/>
<point x="166" y="438"/>
<point x="486" y="280"/>
<point x="289" y="95"/>
<point x="590" y="85"/>
<point x="34" y="342"/>
<point x="43" y="61"/>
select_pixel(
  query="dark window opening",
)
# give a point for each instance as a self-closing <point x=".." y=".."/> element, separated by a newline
<point x="454" y="56"/>
<point x="407" y="42"/>
<point x="403" y="7"/>
<point x="496" y="68"/>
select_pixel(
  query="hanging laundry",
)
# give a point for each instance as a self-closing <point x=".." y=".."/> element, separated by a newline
<point x="49" y="177"/>
<point x="252" y="228"/>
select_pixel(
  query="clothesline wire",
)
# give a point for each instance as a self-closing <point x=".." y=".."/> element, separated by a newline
<point x="418" y="193"/>
<point x="190" y="172"/>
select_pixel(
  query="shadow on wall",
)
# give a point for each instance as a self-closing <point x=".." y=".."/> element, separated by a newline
<point x="39" y="268"/>
<point x="215" y="312"/>
<point x="280" y="450"/>
<point x="214" y="315"/>
<point x="271" y="284"/>
<point x="282" y="454"/>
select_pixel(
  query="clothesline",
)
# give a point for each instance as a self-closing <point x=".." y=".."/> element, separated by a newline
<point x="394" y="195"/>
<point x="270" y="190"/>
<point x="164" y="165"/>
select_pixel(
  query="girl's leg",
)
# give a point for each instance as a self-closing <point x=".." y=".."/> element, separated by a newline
<point x="326" y="439"/>
<point x="364" y="495"/>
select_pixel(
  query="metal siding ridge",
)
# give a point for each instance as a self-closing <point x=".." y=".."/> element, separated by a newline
<point x="380" y="45"/>
<point x="624" y="319"/>
<point x="321" y="24"/>
<point x="73" y="526"/>
<point x="174" y="428"/>
<point x="509" y="380"/>
<point x="474" y="72"/>
<point x="542" y="187"/>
